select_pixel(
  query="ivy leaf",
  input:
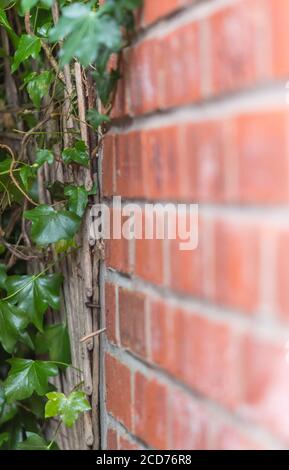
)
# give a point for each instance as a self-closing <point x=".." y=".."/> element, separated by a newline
<point x="28" y="46"/>
<point x="63" y="245"/>
<point x="44" y="156"/>
<point x="3" y="276"/>
<point x="77" y="154"/>
<point x="131" y="4"/>
<point x="4" y="437"/>
<point x="67" y="408"/>
<point x="55" y="340"/>
<point x="95" y="118"/>
<point x="27" y="175"/>
<point x="35" y="295"/>
<point x="81" y="27"/>
<point x="13" y="321"/>
<point x="38" y="86"/>
<point x="33" y="442"/>
<point x="5" y="23"/>
<point x="28" y="4"/>
<point x="78" y="199"/>
<point x="50" y="225"/>
<point x="27" y="376"/>
<point x="7" y="411"/>
<point x="105" y="83"/>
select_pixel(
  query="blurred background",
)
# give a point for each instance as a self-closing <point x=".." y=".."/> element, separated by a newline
<point x="195" y="355"/>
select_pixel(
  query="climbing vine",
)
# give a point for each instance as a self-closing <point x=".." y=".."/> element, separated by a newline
<point x="50" y="51"/>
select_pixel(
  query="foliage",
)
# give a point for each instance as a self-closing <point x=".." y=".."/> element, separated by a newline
<point x="50" y="225"/>
<point x="33" y="351"/>
<point x="76" y="154"/>
<point x="68" y="408"/>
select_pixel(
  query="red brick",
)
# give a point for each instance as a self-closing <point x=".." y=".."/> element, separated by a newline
<point x="162" y="335"/>
<point x="150" y="411"/>
<point x="263" y="157"/>
<point x="181" y="77"/>
<point x="237" y="265"/>
<point x="132" y="321"/>
<point x="238" y="40"/>
<point x="129" y="171"/>
<point x="118" y="390"/>
<point x="230" y="438"/>
<point x="160" y="163"/>
<point x="190" y="423"/>
<point x="153" y="10"/>
<point x="140" y="78"/>
<point x="112" y="439"/>
<point x="151" y="80"/>
<point x="279" y="15"/>
<point x="149" y="257"/>
<point x="183" y="162"/>
<point x="282" y="291"/>
<point x="201" y="352"/>
<point x="116" y="255"/>
<point x="147" y="74"/>
<point x="110" y="311"/>
<point x="127" y="444"/>
<point x="207" y="356"/>
<point x="187" y="267"/>
<point x="117" y="250"/>
<point x="266" y="383"/>
<point x="201" y="160"/>
<point x="209" y="150"/>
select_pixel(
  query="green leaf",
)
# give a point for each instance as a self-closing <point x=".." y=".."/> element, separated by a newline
<point x="4" y="437"/>
<point x="63" y="245"/>
<point x="95" y="118"/>
<point x="38" y="86"/>
<point x="105" y="84"/>
<point x="28" y="4"/>
<point x="44" y="29"/>
<point x="27" y="175"/>
<point x="7" y="410"/>
<point x="54" y="340"/>
<point x="26" y="377"/>
<point x="49" y="225"/>
<point x="67" y="408"/>
<point x="5" y="23"/>
<point x="13" y="322"/>
<point x="78" y="199"/>
<point x="33" y="442"/>
<point x="35" y="295"/>
<point x="77" y="154"/>
<point x="80" y="26"/>
<point x="3" y="276"/>
<point x="131" y="4"/>
<point x="44" y="156"/>
<point x="28" y="46"/>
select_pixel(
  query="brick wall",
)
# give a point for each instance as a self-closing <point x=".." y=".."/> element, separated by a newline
<point x="194" y="355"/>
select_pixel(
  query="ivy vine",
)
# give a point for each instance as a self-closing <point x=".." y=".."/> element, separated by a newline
<point x="41" y="42"/>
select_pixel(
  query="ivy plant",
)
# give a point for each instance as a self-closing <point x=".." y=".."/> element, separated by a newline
<point x="46" y="42"/>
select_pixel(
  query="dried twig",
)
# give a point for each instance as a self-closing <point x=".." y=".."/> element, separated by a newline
<point x="92" y="335"/>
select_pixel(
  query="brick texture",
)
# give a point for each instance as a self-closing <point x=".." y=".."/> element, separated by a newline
<point x="196" y="349"/>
